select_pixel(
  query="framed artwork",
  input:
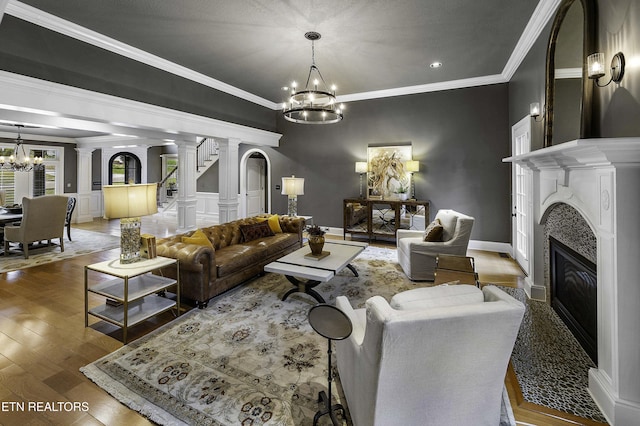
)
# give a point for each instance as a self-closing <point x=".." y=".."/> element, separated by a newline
<point x="387" y="176"/>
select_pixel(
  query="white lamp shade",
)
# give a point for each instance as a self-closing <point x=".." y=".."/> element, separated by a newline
<point x="361" y="167"/>
<point x="412" y="166"/>
<point x="534" y="109"/>
<point x="129" y="200"/>
<point x="292" y="186"/>
<point x="595" y="65"/>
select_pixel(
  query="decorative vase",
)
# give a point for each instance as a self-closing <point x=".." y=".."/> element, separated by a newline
<point x="403" y="196"/>
<point x="316" y="242"/>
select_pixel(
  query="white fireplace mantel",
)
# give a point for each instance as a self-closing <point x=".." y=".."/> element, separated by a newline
<point x="601" y="179"/>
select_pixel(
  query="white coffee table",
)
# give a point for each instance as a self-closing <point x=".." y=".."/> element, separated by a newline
<point x="313" y="272"/>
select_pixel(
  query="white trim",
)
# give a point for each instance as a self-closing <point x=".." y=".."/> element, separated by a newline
<point x="3" y="7"/>
<point x="424" y="88"/>
<point x="543" y="13"/>
<point x="243" y="180"/>
<point x="539" y="19"/>
<point x="490" y="246"/>
<point x="70" y="107"/>
<point x="562" y="73"/>
<point x="62" y="26"/>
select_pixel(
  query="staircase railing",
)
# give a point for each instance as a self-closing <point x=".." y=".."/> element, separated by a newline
<point x="161" y="185"/>
<point x="205" y="149"/>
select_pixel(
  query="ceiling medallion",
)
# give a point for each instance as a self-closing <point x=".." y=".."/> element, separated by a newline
<point x="19" y="161"/>
<point x="315" y="104"/>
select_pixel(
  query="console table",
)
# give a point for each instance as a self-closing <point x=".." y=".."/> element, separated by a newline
<point x="382" y="218"/>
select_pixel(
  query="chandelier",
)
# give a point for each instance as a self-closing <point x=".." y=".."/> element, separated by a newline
<point x="19" y="161"/>
<point x="315" y="104"/>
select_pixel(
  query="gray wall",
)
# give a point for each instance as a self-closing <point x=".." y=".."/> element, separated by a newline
<point x="458" y="136"/>
<point x="34" y="51"/>
<point x="616" y="107"/>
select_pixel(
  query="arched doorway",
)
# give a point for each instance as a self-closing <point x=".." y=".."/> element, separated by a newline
<point x="255" y="183"/>
<point x="124" y="168"/>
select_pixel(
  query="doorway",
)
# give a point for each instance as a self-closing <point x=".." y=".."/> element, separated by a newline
<point x="255" y="181"/>
<point x="521" y="196"/>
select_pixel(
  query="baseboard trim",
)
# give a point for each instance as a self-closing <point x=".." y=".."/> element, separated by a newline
<point x="491" y="246"/>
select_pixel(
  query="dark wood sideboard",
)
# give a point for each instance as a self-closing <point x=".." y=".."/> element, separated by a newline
<point x="382" y="218"/>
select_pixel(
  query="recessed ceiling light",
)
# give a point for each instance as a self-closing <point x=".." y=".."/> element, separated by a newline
<point x="435" y="64"/>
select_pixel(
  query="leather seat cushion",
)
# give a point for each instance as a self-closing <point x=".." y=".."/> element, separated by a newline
<point x="233" y="258"/>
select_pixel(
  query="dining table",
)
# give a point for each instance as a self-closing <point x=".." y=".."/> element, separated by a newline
<point x="7" y="217"/>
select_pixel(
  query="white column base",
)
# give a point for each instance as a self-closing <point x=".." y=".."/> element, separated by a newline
<point x="617" y="411"/>
<point x="535" y="291"/>
<point x="84" y="209"/>
<point x="186" y="215"/>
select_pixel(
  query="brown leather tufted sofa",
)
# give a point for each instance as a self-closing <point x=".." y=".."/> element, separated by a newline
<point x="206" y="272"/>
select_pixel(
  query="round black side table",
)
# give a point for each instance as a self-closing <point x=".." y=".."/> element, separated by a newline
<point x="333" y="324"/>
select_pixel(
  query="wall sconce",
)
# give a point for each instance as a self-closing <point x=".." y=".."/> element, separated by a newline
<point x="292" y="187"/>
<point x="362" y="168"/>
<point x="412" y="166"/>
<point x="534" y="111"/>
<point x="595" y="66"/>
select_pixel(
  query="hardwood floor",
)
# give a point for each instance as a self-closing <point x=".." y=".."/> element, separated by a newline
<point x="43" y="342"/>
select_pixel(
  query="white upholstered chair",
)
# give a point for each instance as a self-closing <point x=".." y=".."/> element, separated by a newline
<point x="42" y="219"/>
<point x="434" y="356"/>
<point x="418" y="257"/>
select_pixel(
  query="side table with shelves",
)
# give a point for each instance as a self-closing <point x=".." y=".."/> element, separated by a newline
<point x="133" y="289"/>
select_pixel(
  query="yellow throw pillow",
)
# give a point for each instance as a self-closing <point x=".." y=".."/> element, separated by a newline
<point x="274" y="223"/>
<point x="199" y="238"/>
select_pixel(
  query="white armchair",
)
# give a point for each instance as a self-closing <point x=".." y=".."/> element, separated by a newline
<point x="437" y="357"/>
<point x="418" y="257"/>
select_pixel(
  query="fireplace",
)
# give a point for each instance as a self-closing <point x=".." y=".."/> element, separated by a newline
<point x="574" y="294"/>
<point x="598" y="178"/>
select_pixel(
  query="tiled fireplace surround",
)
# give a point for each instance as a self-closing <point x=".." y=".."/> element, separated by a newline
<point x="600" y="179"/>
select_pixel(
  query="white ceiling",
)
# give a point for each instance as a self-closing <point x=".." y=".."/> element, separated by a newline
<point x="251" y="48"/>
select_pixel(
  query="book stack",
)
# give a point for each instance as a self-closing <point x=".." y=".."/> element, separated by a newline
<point x="148" y="246"/>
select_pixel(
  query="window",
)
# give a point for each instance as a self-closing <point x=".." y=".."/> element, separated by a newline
<point x="124" y="168"/>
<point x="7" y="183"/>
<point x="41" y="181"/>
<point x="45" y="178"/>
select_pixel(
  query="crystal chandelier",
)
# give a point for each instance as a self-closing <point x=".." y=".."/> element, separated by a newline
<point x="315" y="104"/>
<point x="19" y="161"/>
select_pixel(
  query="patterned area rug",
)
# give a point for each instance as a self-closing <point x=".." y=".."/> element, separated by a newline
<point x="249" y="358"/>
<point x="551" y="366"/>
<point x="84" y="242"/>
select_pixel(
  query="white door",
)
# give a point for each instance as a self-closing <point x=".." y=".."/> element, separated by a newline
<point x="521" y="195"/>
<point x="255" y="186"/>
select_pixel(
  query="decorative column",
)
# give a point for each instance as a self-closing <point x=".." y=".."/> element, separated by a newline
<point x="186" y="201"/>
<point x="228" y="173"/>
<point x="84" y="211"/>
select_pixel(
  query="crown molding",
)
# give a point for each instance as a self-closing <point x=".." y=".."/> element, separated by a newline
<point x="540" y="17"/>
<point x="561" y="73"/>
<point x="543" y="13"/>
<point x="59" y="25"/>
<point x="424" y="88"/>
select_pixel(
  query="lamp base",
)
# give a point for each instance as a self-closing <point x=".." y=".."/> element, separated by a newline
<point x="292" y="205"/>
<point x="130" y="240"/>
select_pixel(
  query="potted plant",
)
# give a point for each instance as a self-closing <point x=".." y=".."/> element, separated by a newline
<point x="316" y="239"/>
<point x="402" y="191"/>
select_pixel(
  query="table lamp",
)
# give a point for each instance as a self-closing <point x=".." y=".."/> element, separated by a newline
<point x="292" y="187"/>
<point x="412" y="166"/>
<point x="362" y="168"/>
<point x="128" y="203"/>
